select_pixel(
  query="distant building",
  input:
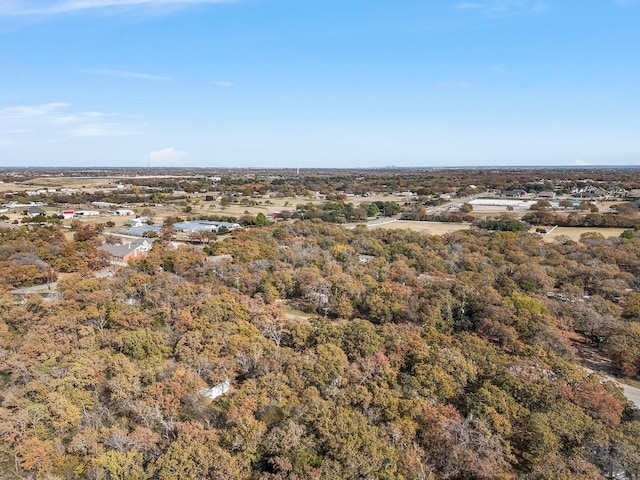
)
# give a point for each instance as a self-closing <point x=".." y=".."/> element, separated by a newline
<point x="124" y="212"/>
<point x="87" y="213"/>
<point x="142" y="230"/>
<point x="34" y="211"/>
<point x="589" y="192"/>
<point x="594" y="193"/>
<point x="518" y="192"/>
<point x="632" y="194"/>
<point x="136" y="222"/>
<point x="404" y="194"/>
<point x="203" y="226"/>
<point x="127" y="251"/>
<point x="546" y="194"/>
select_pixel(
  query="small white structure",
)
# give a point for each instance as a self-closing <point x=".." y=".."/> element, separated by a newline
<point x="218" y="390"/>
<point x="87" y="213"/>
<point x="124" y="212"/>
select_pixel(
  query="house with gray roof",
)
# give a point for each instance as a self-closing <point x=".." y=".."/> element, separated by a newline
<point x="518" y="192"/>
<point x="34" y="211"/>
<point x="128" y="250"/>
<point x="203" y="226"/>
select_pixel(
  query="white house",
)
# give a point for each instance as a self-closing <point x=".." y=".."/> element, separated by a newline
<point x="218" y="390"/>
<point x="87" y="213"/>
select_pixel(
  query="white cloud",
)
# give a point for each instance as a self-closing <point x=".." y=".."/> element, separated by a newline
<point x="99" y="114"/>
<point x="81" y="117"/>
<point x="222" y="84"/>
<point x="54" y="113"/>
<point x="125" y="74"/>
<point x="580" y="162"/>
<point x="49" y="7"/>
<point x="34" y="110"/>
<point x="165" y="156"/>
<point x="106" y="130"/>
<point x="16" y="131"/>
<point x="65" y="119"/>
<point x="56" y="121"/>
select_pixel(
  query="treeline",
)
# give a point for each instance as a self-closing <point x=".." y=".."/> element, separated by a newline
<point x="420" y="214"/>
<point x="342" y="212"/>
<point x="503" y="225"/>
<point x="420" y="357"/>
<point x="604" y="220"/>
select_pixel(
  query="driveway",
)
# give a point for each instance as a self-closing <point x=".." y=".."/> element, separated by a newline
<point x="593" y="361"/>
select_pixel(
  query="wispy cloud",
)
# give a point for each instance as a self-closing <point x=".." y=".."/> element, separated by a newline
<point x="83" y="117"/>
<point x="106" y="130"/>
<point x="55" y="7"/>
<point x="33" y="110"/>
<point x="222" y="84"/>
<point x="58" y="121"/>
<point x="505" y="8"/>
<point x="16" y="131"/>
<point x="107" y="72"/>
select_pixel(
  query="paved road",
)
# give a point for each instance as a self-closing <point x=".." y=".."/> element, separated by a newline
<point x="46" y="288"/>
<point x="632" y="393"/>
<point x="51" y="288"/>
<point x="593" y="361"/>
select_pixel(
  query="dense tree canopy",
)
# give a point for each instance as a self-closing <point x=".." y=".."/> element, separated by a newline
<point x="419" y="357"/>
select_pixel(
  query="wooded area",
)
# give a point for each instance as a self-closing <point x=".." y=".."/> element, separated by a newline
<point x="422" y="357"/>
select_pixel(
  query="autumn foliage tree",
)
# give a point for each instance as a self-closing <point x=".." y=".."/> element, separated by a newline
<point x="341" y="353"/>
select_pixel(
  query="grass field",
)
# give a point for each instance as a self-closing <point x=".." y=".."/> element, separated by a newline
<point x="432" y="228"/>
<point x="574" y="232"/>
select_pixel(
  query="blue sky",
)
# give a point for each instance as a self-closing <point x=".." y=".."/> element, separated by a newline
<point x="348" y="83"/>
